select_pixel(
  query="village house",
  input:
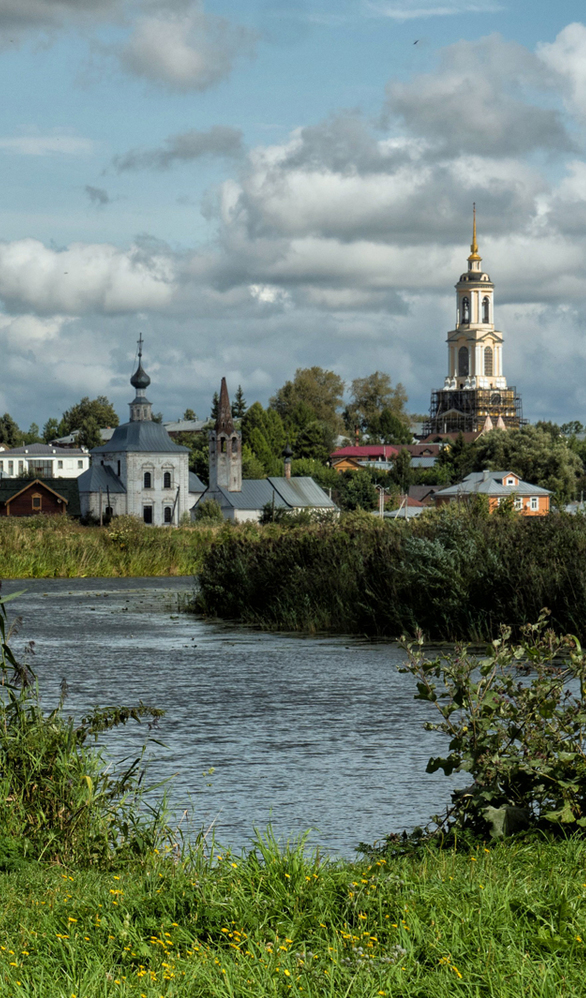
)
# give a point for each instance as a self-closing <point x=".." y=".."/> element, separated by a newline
<point x="43" y="461"/>
<point x="49" y="496"/>
<point x="530" y="500"/>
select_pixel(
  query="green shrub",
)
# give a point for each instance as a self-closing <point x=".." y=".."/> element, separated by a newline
<point x="208" y="511"/>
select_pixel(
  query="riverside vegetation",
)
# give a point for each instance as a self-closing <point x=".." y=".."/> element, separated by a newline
<point x="57" y="547"/>
<point x="456" y="574"/>
<point x="101" y="898"/>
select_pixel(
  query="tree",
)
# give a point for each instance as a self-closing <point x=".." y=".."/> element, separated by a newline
<point x="401" y="470"/>
<point x="199" y="453"/>
<point x="50" y="430"/>
<point x="370" y="397"/>
<point x="239" y="404"/>
<point x="356" y="491"/>
<point x="316" y="389"/>
<point x="315" y="441"/>
<point x="32" y="435"/>
<point x="89" y="434"/>
<point x="252" y="467"/>
<point x="99" y="409"/>
<point x="535" y="453"/>
<point x="263" y="432"/>
<point x="9" y="431"/>
<point x="389" y="429"/>
<point x="215" y="407"/>
<point x="572" y="429"/>
<point x="189" y="415"/>
<point x="458" y="458"/>
<point x="208" y="511"/>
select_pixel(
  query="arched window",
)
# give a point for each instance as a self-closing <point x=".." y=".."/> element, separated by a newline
<point x="485" y="310"/>
<point x="488" y="360"/>
<point x="465" y="311"/>
<point x="148" y="480"/>
<point x="223" y="445"/>
<point x="234" y="445"/>
<point x="147" y="514"/>
<point x="167" y="514"/>
<point x="167" y="480"/>
<point x="463" y="369"/>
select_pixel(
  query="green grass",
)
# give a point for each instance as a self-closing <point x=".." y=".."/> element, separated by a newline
<point x="504" y="921"/>
<point x="56" y="547"/>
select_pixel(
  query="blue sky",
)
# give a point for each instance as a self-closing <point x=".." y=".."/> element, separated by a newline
<point x="271" y="184"/>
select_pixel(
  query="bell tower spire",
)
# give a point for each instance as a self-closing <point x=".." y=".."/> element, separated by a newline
<point x="225" y="444"/>
<point x="474" y="259"/>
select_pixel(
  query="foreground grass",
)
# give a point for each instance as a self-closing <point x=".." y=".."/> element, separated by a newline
<point x="56" y="547"/>
<point x="500" y="921"/>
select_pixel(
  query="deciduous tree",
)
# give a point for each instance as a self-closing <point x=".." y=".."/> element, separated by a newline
<point x="314" y="388"/>
<point x="99" y="409"/>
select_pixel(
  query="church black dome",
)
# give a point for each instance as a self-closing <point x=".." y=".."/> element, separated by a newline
<point x="140" y="379"/>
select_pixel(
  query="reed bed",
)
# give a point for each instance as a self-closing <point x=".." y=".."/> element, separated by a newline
<point x="456" y="574"/>
<point x="56" y="547"/>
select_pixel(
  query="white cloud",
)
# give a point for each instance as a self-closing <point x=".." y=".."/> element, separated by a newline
<point x="185" y="50"/>
<point x="566" y="56"/>
<point x="410" y="10"/>
<point x="220" y="140"/>
<point x="84" y="278"/>
<point x="46" y="145"/>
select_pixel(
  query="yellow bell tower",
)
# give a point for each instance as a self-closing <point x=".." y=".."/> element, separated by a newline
<point x="475" y="387"/>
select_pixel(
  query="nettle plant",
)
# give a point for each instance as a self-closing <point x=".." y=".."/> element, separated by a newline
<point x="516" y="722"/>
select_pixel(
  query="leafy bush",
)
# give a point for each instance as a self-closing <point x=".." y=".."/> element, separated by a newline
<point x="516" y="722"/>
<point x="59" y="799"/>
<point x="208" y="511"/>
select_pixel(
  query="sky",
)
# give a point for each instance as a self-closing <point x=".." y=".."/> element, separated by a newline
<point x="262" y="185"/>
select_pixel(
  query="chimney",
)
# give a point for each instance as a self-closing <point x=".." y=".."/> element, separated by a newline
<point x="485" y="475"/>
<point x="287" y="454"/>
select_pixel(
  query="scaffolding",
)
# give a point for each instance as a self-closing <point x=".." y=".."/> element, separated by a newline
<point x="465" y="410"/>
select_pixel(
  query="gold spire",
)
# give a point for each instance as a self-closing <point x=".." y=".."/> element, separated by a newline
<point x="474" y="255"/>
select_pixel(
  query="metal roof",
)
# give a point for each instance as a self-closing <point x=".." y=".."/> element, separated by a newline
<point x="195" y="483"/>
<point x="302" y="492"/>
<point x="491" y="483"/>
<point x="255" y="493"/>
<point x="140" y="435"/>
<point x="100" y="476"/>
<point x="186" y="425"/>
<point x="44" y="450"/>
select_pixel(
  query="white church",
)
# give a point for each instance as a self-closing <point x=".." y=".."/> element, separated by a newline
<point x="140" y="471"/>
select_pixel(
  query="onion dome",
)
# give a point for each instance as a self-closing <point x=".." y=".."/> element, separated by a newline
<point x="140" y="379"/>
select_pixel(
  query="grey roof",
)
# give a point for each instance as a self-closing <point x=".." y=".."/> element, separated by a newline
<point x="195" y="483"/>
<point x="186" y="425"/>
<point x="100" y="476"/>
<point x="105" y="433"/>
<point x="300" y="492"/>
<point x="289" y="493"/>
<point x="491" y="483"/>
<point x="423" y="462"/>
<point x="140" y="435"/>
<point x="406" y="513"/>
<point x="43" y="450"/>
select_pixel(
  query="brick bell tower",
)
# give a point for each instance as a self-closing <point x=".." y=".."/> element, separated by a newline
<point x="225" y="448"/>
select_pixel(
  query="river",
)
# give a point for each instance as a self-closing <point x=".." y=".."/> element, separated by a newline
<point x="317" y="733"/>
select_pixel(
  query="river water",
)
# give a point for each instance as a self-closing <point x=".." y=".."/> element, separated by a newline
<point x="317" y="733"/>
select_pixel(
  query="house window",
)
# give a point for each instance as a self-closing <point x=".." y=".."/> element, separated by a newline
<point x="109" y="511"/>
<point x="518" y="502"/>
<point x="534" y="503"/>
<point x="20" y="467"/>
<point x="234" y="445"/>
<point x="485" y="310"/>
<point x="79" y="464"/>
<point x="466" y="310"/>
<point x="148" y="484"/>
<point x="1" y="465"/>
<point x="36" y="503"/>
<point x="118" y="469"/>
<point x="11" y="467"/>
<point x="488" y="361"/>
<point x="168" y="514"/>
<point x="510" y="481"/>
<point x="463" y="362"/>
<point x="147" y="514"/>
<point x="167" y="480"/>
<point x="59" y="464"/>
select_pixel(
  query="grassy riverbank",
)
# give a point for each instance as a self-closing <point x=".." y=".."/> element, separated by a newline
<point x="499" y="921"/>
<point x="457" y="574"/>
<point x="55" y="547"/>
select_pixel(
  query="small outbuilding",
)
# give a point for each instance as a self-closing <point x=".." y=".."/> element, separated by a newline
<point x="31" y="497"/>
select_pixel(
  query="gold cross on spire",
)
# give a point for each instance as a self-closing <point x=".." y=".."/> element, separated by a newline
<point x="474" y="255"/>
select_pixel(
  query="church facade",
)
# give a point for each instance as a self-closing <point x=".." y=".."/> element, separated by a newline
<point x="475" y="394"/>
<point x="140" y="471"/>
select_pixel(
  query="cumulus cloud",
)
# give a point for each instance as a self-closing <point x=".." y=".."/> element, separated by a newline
<point x="566" y="56"/>
<point x="478" y="101"/>
<point x="84" y="278"/>
<point x="186" y="49"/>
<point x="219" y="140"/>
